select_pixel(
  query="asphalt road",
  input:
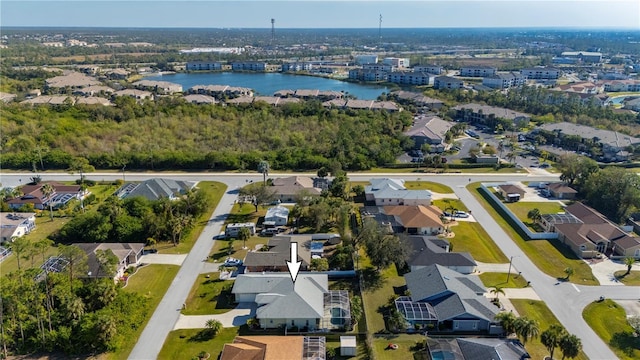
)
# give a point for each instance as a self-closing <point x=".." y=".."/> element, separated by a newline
<point x="565" y="300"/>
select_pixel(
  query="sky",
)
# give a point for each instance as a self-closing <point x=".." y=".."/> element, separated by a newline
<point x="322" y="14"/>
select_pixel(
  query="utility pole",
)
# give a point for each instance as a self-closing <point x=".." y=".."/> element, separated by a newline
<point x="273" y="30"/>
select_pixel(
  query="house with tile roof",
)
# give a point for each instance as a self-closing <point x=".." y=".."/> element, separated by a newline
<point x="417" y="220"/>
<point x="448" y="299"/>
<point x="561" y="190"/>
<point x="306" y="303"/>
<point x="429" y="250"/>
<point x="393" y="192"/>
<point x="32" y="194"/>
<point x="272" y="347"/>
<point x="287" y="189"/>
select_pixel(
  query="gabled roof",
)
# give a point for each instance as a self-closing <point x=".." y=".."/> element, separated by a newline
<point x="477" y="349"/>
<point x="511" y="189"/>
<point x="432" y="127"/>
<point x="277" y="211"/>
<point x="427" y="251"/>
<point x="279" y="298"/>
<point x="280" y="251"/>
<point x="561" y="188"/>
<point x="416" y="216"/>
<point x="120" y="250"/>
<point x="379" y="184"/>
<point x="154" y="189"/>
<point x="292" y="185"/>
<point x="586" y="214"/>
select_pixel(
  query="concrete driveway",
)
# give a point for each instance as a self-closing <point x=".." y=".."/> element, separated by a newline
<point x="232" y="318"/>
<point x="603" y="271"/>
<point x="165" y="259"/>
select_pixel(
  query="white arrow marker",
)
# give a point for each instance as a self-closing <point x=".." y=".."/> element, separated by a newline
<point x="294" y="264"/>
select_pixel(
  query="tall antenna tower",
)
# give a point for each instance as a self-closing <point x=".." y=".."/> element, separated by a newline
<point x="380" y="27"/>
<point x="273" y="29"/>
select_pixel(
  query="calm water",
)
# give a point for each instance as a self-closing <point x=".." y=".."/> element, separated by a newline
<point x="266" y="84"/>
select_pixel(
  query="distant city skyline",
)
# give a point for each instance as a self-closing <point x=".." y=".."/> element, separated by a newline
<point x="623" y="14"/>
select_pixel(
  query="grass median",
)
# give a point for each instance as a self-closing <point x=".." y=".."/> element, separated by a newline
<point x="609" y="321"/>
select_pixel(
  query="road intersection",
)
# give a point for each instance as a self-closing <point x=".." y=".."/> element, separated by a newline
<point x="565" y="300"/>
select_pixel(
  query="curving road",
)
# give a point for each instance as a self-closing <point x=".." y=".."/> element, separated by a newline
<point x="565" y="300"/>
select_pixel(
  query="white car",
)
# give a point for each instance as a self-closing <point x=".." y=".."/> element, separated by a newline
<point x="461" y="214"/>
<point x="232" y="262"/>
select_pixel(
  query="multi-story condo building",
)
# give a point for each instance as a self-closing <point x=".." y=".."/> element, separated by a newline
<point x="397" y="62"/>
<point x="431" y="69"/>
<point x="379" y="67"/>
<point x="367" y="75"/>
<point x="249" y="66"/>
<point x="622" y="85"/>
<point x="446" y="82"/>
<point x="541" y="73"/>
<point x="410" y="77"/>
<point x="504" y="81"/>
<point x="366" y="59"/>
<point x="478" y="71"/>
<point x="297" y="66"/>
<point x="204" y="65"/>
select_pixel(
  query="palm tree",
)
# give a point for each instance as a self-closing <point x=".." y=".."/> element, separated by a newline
<point x="629" y="262"/>
<point x="568" y="271"/>
<point x="48" y="191"/>
<point x="243" y="235"/>
<point x="550" y="338"/>
<point x="534" y="214"/>
<point x="213" y="327"/>
<point x="510" y="156"/>
<point x="497" y="290"/>
<point x="526" y="329"/>
<point x="263" y="168"/>
<point x="570" y="346"/>
<point x="507" y="320"/>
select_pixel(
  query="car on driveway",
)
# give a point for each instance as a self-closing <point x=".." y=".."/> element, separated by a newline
<point x="232" y="262"/>
<point x="461" y="214"/>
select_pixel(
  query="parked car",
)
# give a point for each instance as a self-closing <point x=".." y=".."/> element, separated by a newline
<point x="232" y="262"/>
<point x="461" y="214"/>
<point x="269" y="232"/>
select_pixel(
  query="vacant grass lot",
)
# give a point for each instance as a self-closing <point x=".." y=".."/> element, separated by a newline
<point x="500" y="279"/>
<point x="449" y="204"/>
<point x="152" y="282"/>
<point x="214" y="191"/>
<point x="537" y="310"/>
<point x="428" y="185"/>
<point x="188" y="343"/>
<point x="471" y="237"/>
<point x="209" y="296"/>
<point x="609" y="321"/>
<point x="521" y="209"/>
<point x="633" y="279"/>
<point x="552" y="257"/>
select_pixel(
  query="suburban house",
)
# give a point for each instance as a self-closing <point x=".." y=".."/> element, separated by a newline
<point x="15" y="225"/>
<point x="219" y="91"/>
<point x="135" y="93"/>
<point x="232" y="230"/>
<point x="561" y="190"/>
<point x="393" y="192"/>
<point x="469" y="348"/>
<point x="276" y="216"/>
<point x="588" y="233"/>
<point x="272" y="347"/>
<point x="160" y="87"/>
<point x="582" y="87"/>
<point x="417" y="99"/>
<point x="429" y="130"/>
<point x="510" y="192"/>
<point x="128" y="254"/>
<point x="307" y="304"/>
<point x="71" y="79"/>
<point x="33" y="194"/>
<point x="155" y="189"/>
<point x="417" y="220"/>
<point x="287" y="189"/>
<point x="427" y="250"/>
<point x="200" y="99"/>
<point x="446" y="299"/>
<point x="487" y="115"/>
<point x="278" y="253"/>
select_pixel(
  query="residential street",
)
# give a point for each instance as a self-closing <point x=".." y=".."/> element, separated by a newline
<point x="565" y="300"/>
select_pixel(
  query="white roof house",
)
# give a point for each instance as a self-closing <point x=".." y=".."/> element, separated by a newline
<point x="393" y="192"/>
<point x="15" y="225"/>
<point x="278" y="215"/>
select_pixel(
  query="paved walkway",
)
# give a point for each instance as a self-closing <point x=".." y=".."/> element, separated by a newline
<point x="498" y="268"/>
<point x="438" y="196"/>
<point x="166" y="259"/>
<point x="232" y="318"/>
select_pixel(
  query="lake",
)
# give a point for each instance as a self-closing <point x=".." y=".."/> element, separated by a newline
<point x="266" y="84"/>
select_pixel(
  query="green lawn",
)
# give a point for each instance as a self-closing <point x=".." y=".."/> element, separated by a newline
<point x="239" y="214"/>
<point x="447" y="204"/>
<point x="500" y="279"/>
<point x="609" y="321"/>
<point x="405" y="350"/>
<point x="209" y="295"/>
<point x="537" y="310"/>
<point x="521" y="209"/>
<point x="471" y="237"/>
<point x="428" y="185"/>
<point x="44" y="228"/>
<point x="550" y="256"/>
<point x="188" y="343"/>
<point x="152" y="282"/>
<point x="214" y="191"/>
<point x="633" y="279"/>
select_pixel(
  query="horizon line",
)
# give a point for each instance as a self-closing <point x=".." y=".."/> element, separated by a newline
<point x="317" y="28"/>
